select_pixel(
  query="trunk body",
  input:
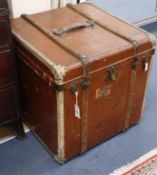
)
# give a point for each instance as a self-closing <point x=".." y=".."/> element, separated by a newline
<point x="85" y="82"/>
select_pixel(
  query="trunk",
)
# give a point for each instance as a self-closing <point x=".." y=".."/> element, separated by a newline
<point x="83" y="75"/>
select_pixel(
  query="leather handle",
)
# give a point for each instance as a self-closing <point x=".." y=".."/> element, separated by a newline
<point x="74" y="26"/>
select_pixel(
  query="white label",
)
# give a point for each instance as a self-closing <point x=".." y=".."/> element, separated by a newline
<point x="76" y="106"/>
<point x="145" y="67"/>
<point x="77" y="111"/>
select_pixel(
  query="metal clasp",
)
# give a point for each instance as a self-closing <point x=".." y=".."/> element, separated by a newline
<point x="73" y="87"/>
<point x="112" y="73"/>
<point x="145" y="63"/>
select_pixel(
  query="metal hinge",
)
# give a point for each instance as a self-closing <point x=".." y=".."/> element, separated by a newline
<point x="73" y="87"/>
<point x="84" y="84"/>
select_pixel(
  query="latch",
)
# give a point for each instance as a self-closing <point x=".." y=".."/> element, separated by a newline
<point x="145" y="63"/>
<point x="112" y="73"/>
<point x="75" y="92"/>
<point x="73" y="87"/>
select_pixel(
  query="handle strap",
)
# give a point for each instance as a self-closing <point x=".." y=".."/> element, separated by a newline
<point x="74" y="26"/>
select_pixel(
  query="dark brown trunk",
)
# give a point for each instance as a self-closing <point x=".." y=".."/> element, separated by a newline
<point x="81" y="76"/>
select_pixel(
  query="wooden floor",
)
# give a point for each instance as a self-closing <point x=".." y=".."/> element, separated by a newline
<point x="6" y="134"/>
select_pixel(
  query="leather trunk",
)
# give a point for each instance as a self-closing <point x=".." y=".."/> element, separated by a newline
<point x="83" y="75"/>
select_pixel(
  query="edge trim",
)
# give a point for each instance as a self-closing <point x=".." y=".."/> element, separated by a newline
<point x="60" y="125"/>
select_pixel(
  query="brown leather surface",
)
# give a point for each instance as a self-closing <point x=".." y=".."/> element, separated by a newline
<point x="88" y="42"/>
<point x="119" y="25"/>
<point x="39" y="106"/>
<point x="86" y="39"/>
<point x="108" y="100"/>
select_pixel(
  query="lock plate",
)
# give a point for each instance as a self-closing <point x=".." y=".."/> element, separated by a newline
<point x="73" y="87"/>
<point x="112" y="73"/>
